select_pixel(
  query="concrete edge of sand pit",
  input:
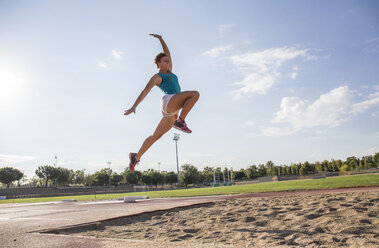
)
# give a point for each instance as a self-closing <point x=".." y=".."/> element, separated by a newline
<point x="94" y="223"/>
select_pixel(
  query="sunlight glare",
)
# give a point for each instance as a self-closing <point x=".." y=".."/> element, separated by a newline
<point x="11" y="87"/>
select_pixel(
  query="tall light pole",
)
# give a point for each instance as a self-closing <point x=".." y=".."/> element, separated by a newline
<point x="56" y="165"/>
<point x="176" y="138"/>
<point x="109" y="164"/>
<point x="159" y="166"/>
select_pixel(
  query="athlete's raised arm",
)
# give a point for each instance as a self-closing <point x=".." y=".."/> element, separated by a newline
<point x="155" y="80"/>
<point x="164" y="47"/>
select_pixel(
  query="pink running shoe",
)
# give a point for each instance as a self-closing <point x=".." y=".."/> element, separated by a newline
<point x="182" y="126"/>
<point x="133" y="161"/>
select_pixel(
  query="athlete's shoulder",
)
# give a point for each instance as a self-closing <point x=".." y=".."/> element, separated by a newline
<point x="156" y="79"/>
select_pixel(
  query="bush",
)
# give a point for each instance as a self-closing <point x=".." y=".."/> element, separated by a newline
<point x="189" y="174"/>
<point x="239" y="175"/>
<point x="146" y="179"/>
<point x="132" y="178"/>
<point x="345" y="168"/>
<point x="171" y="178"/>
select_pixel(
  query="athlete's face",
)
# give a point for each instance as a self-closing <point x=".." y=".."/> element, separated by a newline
<point x="164" y="63"/>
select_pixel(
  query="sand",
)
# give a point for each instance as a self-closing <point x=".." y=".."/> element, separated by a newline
<point x="324" y="220"/>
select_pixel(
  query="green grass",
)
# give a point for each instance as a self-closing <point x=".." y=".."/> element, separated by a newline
<point x="308" y="184"/>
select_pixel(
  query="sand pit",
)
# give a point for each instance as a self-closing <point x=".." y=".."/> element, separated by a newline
<point x="324" y="220"/>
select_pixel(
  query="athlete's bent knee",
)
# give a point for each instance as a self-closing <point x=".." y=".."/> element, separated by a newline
<point x="196" y="94"/>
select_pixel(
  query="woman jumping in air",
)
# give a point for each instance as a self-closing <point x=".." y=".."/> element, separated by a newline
<point x="172" y="101"/>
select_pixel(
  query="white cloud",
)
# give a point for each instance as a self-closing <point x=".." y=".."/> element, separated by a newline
<point x="311" y="57"/>
<point x="255" y="83"/>
<point x="372" y="40"/>
<point x="249" y="123"/>
<point x="370" y="151"/>
<point x="223" y="28"/>
<point x="321" y="132"/>
<point x="292" y="75"/>
<point x="264" y="68"/>
<point x="329" y="110"/>
<point x="367" y="104"/>
<point x="372" y="46"/>
<point x="273" y="57"/>
<point x="117" y="54"/>
<point x="216" y="51"/>
<point x="278" y="131"/>
<point x="13" y="159"/>
<point x="101" y="64"/>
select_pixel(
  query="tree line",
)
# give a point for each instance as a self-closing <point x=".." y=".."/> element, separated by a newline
<point x="47" y="175"/>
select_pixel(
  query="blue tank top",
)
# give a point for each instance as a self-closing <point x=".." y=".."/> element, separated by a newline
<point x="169" y="84"/>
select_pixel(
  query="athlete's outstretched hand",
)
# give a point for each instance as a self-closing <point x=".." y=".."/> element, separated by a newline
<point x="129" y="111"/>
<point x="156" y="36"/>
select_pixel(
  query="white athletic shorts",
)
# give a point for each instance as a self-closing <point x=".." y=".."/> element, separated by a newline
<point x="164" y="102"/>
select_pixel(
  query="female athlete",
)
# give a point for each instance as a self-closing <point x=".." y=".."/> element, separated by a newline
<point x="172" y="102"/>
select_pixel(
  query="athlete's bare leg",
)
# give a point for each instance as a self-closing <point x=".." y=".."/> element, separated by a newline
<point x="184" y="100"/>
<point x="164" y="125"/>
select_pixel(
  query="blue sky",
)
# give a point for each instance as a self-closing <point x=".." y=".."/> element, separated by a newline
<point x="287" y="81"/>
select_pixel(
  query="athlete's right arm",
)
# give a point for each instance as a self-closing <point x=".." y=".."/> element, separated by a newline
<point x="165" y="48"/>
<point x="155" y="80"/>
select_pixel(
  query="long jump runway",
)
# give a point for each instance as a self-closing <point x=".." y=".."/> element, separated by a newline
<point x="23" y="225"/>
